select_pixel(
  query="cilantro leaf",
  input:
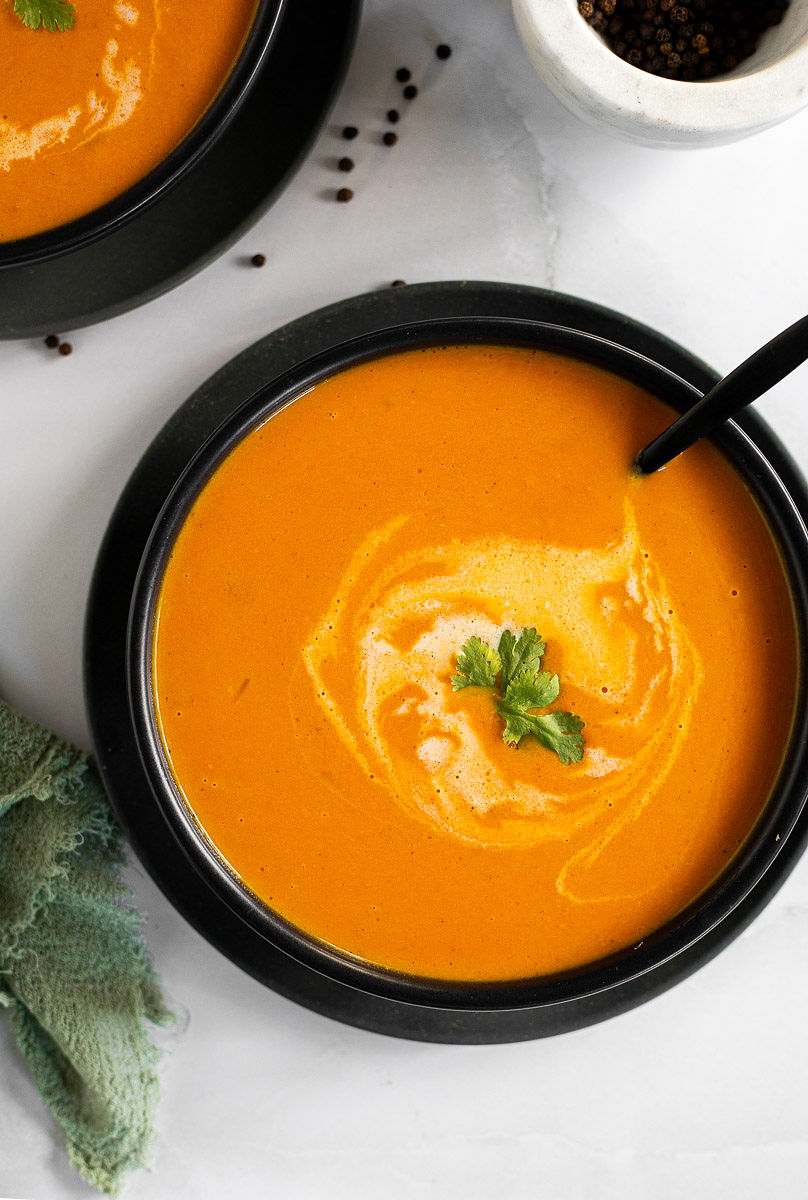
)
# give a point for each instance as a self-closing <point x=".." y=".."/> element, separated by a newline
<point x="561" y="731"/>
<point x="53" y="15"/>
<point x="477" y="664"/>
<point x="522" y="696"/>
<point x="521" y="656"/>
<point x="558" y="731"/>
<point x="523" y="687"/>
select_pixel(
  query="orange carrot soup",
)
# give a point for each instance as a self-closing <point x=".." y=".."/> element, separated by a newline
<point x="313" y="615"/>
<point x="88" y="111"/>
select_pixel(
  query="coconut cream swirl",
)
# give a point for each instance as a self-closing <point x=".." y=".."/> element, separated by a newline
<point x="626" y="663"/>
<point x="114" y="84"/>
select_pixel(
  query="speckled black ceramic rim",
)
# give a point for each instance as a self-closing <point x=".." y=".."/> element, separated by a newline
<point x="758" y="857"/>
<point x="197" y="142"/>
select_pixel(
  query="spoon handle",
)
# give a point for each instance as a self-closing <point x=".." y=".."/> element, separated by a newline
<point x="756" y="374"/>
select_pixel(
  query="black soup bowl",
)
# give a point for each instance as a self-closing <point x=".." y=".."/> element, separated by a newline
<point x="489" y="1012"/>
<point x="200" y="139"/>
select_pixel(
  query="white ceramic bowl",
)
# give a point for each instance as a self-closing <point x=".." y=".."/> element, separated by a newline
<point x="598" y="86"/>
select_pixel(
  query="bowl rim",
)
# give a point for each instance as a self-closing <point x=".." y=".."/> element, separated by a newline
<point x="584" y="72"/>
<point x="198" y="140"/>
<point x="765" y="843"/>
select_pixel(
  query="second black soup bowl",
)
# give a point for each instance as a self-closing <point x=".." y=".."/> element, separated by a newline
<point x="196" y="144"/>
<point x="536" y="1006"/>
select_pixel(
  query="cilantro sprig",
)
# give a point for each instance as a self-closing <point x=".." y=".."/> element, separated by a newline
<point x="54" y="15"/>
<point x="523" y="687"/>
<point x="478" y="665"/>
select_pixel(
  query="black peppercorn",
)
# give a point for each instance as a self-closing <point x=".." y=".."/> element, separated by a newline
<point x="345" y="164"/>
<point x="393" y="116"/>
<point x="403" y="75"/>
<point x="410" y="91"/>
<point x="350" y="132"/>
<point x="258" y="260"/>
<point x="443" y="51"/>
<point x="698" y="40"/>
<point x="390" y="138"/>
<point x="52" y="341"/>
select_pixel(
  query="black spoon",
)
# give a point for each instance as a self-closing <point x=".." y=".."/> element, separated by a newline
<point x="761" y="371"/>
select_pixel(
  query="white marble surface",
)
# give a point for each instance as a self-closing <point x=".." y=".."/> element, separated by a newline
<point x="702" y="1093"/>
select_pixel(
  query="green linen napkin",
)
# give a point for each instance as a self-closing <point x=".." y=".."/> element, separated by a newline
<point x="74" y="973"/>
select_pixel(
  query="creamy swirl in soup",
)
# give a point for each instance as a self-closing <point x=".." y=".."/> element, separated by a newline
<point x="309" y="624"/>
<point x="89" y="111"/>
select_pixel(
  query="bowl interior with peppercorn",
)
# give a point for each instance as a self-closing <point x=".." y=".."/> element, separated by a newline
<point x="665" y="73"/>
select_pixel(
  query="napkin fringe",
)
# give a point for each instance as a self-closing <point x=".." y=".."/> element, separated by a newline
<point x="75" y="976"/>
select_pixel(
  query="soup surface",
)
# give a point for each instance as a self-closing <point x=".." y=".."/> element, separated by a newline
<point x="308" y="628"/>
<point x="88" y="112"/>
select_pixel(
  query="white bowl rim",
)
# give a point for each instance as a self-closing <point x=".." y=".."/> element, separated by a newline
<point x="571" y="50"/>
